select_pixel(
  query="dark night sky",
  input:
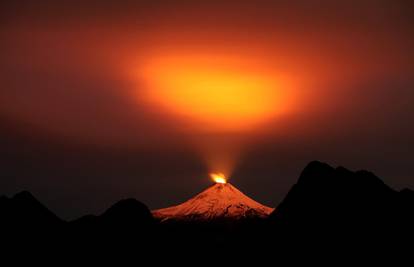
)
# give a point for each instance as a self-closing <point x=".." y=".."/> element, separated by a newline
<point x="76" y="131"/>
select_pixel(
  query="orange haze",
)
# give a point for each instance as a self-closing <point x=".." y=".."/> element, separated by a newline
<point x="211" y="81"/>
<point x="215" y="92"/>
<point x="220" y="97"/>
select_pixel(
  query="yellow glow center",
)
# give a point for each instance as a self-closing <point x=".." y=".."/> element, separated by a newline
<point x="218" y="178"/>
<point x="218" y="93"/>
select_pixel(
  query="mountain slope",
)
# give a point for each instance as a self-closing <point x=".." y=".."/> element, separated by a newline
<point x="335" y="202"/>
<point x="220" y="201"/>
<point x="24" y="210"/>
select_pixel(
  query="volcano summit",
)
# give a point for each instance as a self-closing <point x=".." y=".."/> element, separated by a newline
<point x="220" y="201"/>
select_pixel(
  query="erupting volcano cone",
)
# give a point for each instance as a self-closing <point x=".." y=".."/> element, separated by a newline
<point x="220" y="201"/>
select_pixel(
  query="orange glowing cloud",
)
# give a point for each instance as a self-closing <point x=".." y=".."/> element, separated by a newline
<point x="216" y="92"/>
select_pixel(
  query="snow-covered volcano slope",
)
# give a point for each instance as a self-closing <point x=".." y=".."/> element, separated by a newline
<point x="218" y="201"/>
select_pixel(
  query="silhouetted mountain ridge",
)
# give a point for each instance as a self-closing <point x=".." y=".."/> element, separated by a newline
<point x="332" y="206"/>
<point x="341" y="202"/>
<point x="126" y="220"/>
<point x="24" y="210"/>
<point x="128" y="210"/>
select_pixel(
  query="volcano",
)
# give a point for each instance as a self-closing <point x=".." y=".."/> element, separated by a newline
<point x="219" y="201"/>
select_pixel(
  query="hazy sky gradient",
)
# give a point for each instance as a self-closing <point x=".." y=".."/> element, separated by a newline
<point x="74" y="132"/>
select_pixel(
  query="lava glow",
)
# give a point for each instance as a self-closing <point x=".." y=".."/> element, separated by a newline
<point x="218" y="178"/>
<point x="215" y="92"/>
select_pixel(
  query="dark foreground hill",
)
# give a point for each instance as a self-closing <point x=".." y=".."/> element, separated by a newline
<point x="334" y="207"/>
<point x="24" y="213"/>
<point x="328" y="209"/>
<point x="338" y="200"/>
